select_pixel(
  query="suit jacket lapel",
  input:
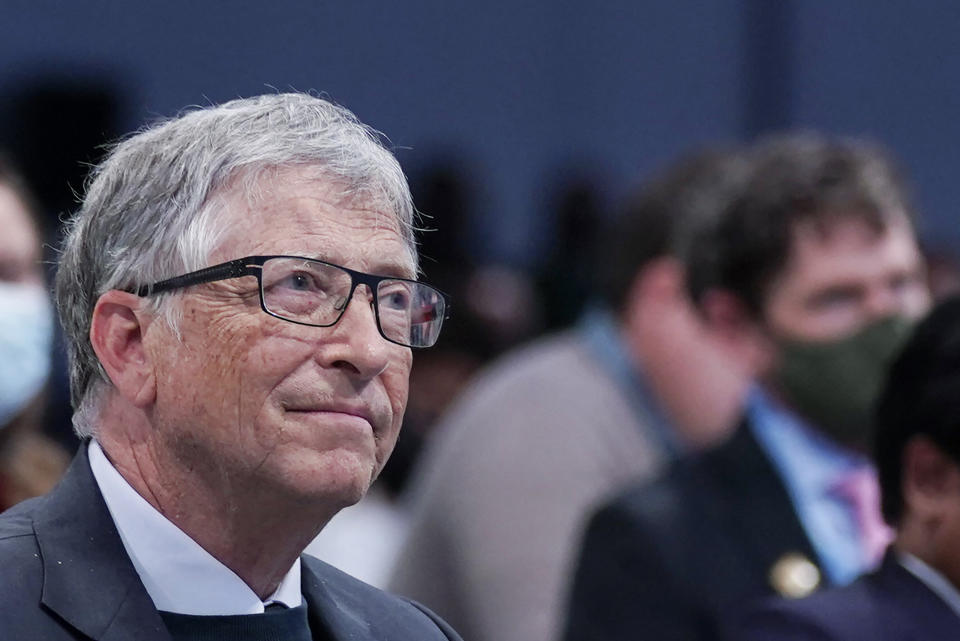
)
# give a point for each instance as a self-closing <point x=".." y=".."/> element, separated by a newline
<point x="908" y="606"/>
<point x="88" y="580"/>
<point x="328" y="613"/>
<point x="755" y="506"/>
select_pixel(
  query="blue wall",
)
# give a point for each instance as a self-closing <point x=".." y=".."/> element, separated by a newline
<point x="524" y="90"/>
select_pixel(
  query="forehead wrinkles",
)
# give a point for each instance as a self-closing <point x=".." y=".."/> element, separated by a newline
<point x="299" y="194"/>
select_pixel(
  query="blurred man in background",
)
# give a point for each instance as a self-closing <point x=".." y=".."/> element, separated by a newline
<point x="544" y="433"/>
<point x="916" y="592"/>
<point x="813" y="276"/>
<point x="30" y="463"/>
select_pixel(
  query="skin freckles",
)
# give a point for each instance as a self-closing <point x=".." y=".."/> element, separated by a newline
<point x="262" y="429"/>
<point x="263" y="365"/>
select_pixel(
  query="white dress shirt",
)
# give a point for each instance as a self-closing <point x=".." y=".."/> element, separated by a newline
<point x="932" y="579"/>
<point x="179" y="575"/>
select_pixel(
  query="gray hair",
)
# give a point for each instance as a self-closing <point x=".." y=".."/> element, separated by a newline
<point x="150" y="210"/>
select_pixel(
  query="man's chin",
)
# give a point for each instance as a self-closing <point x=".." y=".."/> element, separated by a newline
<point x="336" y="479"/>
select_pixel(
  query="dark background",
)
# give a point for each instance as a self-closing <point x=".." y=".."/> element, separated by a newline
<point x="522" y="99"/>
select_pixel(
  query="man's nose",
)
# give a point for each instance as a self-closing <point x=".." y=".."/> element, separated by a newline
<point x="355" y="342"/>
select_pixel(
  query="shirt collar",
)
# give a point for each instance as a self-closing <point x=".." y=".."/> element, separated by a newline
<point x="932" y="579"/>
<point x="601" y="333"/>
<point x="179" y="575"/>
<point x="811" y="461"/>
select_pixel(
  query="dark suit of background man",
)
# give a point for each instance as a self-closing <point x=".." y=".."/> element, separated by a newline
<point x="238" y="292"/>
<point x="916" y="593"/>
<point x="813" y="275"/>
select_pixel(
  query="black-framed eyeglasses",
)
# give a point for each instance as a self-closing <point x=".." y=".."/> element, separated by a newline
<point x="312" y="292"/>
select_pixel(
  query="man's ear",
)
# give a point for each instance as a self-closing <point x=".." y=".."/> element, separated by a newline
<point x="930" y="481"/>
<point x="658" y="282"/>
<point x="733" y="323"/>
<point x="116" y="334"/>
<point x="725" y="313"/>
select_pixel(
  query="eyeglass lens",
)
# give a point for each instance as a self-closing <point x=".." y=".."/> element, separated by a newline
<point x="316" y="293"/>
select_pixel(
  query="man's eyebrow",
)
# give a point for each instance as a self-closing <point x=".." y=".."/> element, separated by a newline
<point x="380" y="266"/>
<point x="394" y="269"/>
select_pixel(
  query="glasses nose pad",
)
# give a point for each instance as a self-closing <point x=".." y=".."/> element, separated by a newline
<point x="361" y="289"/>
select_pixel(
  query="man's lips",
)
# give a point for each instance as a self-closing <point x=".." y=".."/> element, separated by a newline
<point x="357" y="412"/>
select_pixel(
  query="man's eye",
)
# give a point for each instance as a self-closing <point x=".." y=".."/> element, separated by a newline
<point x="838" y="297"/>
<point x="398" y="299"/>
<point x="300" y="281"/>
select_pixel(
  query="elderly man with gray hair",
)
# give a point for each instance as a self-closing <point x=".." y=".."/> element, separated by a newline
<point x="239" y="293"/>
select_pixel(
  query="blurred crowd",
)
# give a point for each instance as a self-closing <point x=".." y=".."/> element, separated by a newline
<point x="670" y="420"/>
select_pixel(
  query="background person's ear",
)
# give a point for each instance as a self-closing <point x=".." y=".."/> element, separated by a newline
<point x="733" y="323"/>
<point x="931" y="481"/>
<point x="116" y="334"/>
<point x="660" y="279"/>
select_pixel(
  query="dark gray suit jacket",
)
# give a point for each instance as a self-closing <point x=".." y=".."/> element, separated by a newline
<point x="888" y="605"/>
<point x="64" y="574"/>
<point x="671" y="559"/>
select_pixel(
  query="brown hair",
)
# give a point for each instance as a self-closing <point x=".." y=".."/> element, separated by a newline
<point x="794" y="179"/>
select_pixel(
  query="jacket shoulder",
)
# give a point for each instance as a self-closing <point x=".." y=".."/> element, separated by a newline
<point x="18" y="541"/>
<point x="388" y="616"/>
<point x="22" y="583"/>
<point x="700" y="489"/>
<point x="18" y="520"/>
<point x="663" y="503"/>
<point x="840" y="613"/>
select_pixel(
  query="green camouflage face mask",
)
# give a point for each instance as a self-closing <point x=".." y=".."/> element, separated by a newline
<point x="834" y="384"/>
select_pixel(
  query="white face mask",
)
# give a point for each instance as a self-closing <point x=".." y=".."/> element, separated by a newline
<point x="26" y="336"/>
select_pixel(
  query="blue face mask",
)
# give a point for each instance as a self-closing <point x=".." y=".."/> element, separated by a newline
<point x="26" y="335"/>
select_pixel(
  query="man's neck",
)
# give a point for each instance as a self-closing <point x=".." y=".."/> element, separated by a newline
<point x="256" y="536"/>
<point x="178" y="574"/>
<point x="699" y="389"/>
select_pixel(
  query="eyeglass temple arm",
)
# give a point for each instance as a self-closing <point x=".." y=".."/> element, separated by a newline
<point x="233" y="269"/>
